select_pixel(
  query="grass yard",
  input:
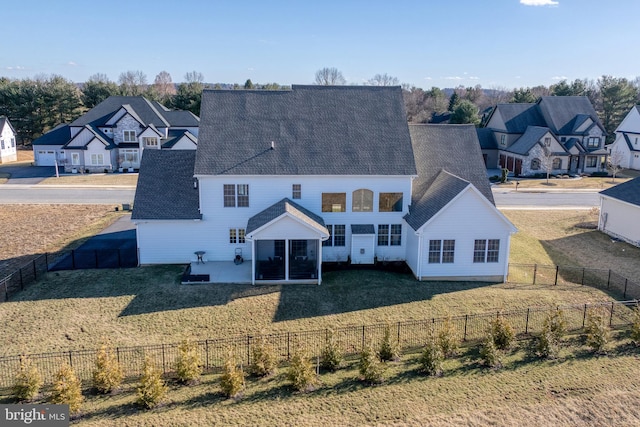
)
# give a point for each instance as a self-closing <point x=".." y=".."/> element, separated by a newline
<point x="34" y="229"/>
<point x="106" y="179"/>
<point x="598" y="183"/>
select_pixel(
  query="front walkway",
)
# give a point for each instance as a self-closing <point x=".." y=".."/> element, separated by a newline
<point x="223" y="272"/>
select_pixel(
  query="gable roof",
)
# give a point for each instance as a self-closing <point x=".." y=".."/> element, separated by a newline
<point x="315" y="130"/>
<point x="563" y="114"/>
<point x="526" y="142"/>
<point x="487" y="139"/>
<point x="448" y="159"/>
<point x="97" y="135"/>
<point x="165" y="190"/>
<point x="59" y="135"/>
<point x="517" y="117"/>
<point x="177" y="135"/>
<point x="286" y="206"/>
<point x="4" y="121"/>
<point x="628" y="141"/>
<point x="627" y="191"/>
<point x="143" y="110"/>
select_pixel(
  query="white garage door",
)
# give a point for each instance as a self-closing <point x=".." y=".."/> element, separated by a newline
<point x="45" y="157"/>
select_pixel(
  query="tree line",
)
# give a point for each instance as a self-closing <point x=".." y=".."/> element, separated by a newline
<point x="36" y="105"/>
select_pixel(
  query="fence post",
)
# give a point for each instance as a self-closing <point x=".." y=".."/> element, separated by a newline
<point x="625" y="288"/>
<point x="70" y="358"/>
<point x="362" y="338"/>
<point x="118" y="354"/>
<point x="609" y="279"/>
<point x="584" y="315"/>
<point x="526" y="326"/>
<point x="535" y="271"/>
<point x="288" y="346"/>
<point x="398" y="333"/>
<point x="206" y="354"/>
<point x="555" y="283"/>
<point x="611" y="315"/>
<point x="248" y="350"/>
<point x="164" y="366"/>
<point x="582" y="281"/>
<point x="466" y="318"/>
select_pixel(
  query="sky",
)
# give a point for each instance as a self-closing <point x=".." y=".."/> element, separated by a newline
<point x="427" y="43"/>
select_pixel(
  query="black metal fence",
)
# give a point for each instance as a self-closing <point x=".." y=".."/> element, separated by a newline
<point x="410" y="335"/>
<point x="65" y="260"/>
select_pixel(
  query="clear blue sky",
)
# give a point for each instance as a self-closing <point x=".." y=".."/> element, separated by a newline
<point x="442" y="43"/>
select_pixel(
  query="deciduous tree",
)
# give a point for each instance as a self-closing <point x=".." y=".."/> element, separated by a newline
<point x="329" y="76"/>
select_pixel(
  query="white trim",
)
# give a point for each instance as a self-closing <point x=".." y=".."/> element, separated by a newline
<point x="323" y="236"/>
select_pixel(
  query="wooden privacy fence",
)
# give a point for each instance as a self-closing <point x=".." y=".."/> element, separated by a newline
<point x="410" y="335"/>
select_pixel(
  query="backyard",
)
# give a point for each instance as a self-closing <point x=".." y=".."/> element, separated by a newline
<point x="77" y="309"/>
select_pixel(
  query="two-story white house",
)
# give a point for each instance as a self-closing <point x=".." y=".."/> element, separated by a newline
<point x="625" y="150"/>
<point x="297" y="178"/>
<point x="115" y="133"/>
<point x="8" y="151"/>
<point x="559" y="134"/>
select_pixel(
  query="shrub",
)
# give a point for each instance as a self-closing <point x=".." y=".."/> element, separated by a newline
<point x="331" y="355"/>
<point x="389" y="349"/>
<point x="597" y="330"/>
<point x="67" y="389"/>
<point x="301" y="373"/>
<point x="504" y="175"/>
<point x="151" y="389"/>
<point x="556" y="324"/>
<point x="489" y="353"/>
<point x="28" y="380"/>
<point x="189" y="364"/>
<point x="232" y="378"/>
<point x="502" y="333"/>
<point x="263" y="359"/>
<point x="431" y="358"/>
<point x="108" y="373"/>
<point x="548" y="345"/>
<point x="447" y="339"/>
<point x="370" y="367"/>
<point x="635" y="327"/>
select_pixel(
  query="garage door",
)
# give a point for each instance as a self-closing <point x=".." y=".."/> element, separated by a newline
<point x="45" y="158"/>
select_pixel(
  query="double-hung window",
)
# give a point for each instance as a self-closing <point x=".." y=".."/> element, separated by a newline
<point x="441" y="251"/>
<point x="75" y="159"/>
<point x="336" y="235"/>
<point x="150" y="141"/>
<point x="237" y="235"/>
<point x="235" y="195"/>
<point x="389" y="234"/>
<point x="129" y="136"/>
<point x="97" y="159"/>
<point x="486" y="250"/>
<point x="296" y="191"/>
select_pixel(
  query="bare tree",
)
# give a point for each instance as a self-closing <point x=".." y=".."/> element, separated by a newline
<point x="546" y="161"/>
<point x="164" y="87"/>
<point x="132" y="83"/>
<point x="383" y="80"/>
<point x="614" y="162"/>
<point x="329" y="77"/>
<point x="194" y="77"/>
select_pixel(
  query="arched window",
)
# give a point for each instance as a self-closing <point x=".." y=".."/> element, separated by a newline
<point x="362" y="201"/>
<point x="557" y="163"/>
<point x="535" y="164"/>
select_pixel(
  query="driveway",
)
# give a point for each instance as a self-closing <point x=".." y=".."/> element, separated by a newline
<point x="21" y="174"/>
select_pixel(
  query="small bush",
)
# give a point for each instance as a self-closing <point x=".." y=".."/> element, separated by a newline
<point x="67" y="389"/>
<point x="502" y="333"/>
<point x="489" y="353"/>
<point x="232" y="378"/>
<point x="547" y="346"/>
<point x="556" y="324"/>
<point x="635" y="327"/>
<point x="370" y="367"/>
<point x="597" y="330"/>
<point x="108" y="375"/>
<point x="151" y="389"/>
<point x="447" y="339"/>
<point x="27" y="382"/>
<point x="389" y="349"/>
<point x="431" y="358"/>
<point x="263" y="359"/>
<point x="331" y="355"/>
<point x="189" y="364"/>
<point x="301" y="373"/>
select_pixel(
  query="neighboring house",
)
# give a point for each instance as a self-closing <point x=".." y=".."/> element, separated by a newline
<point x="292" y="179"/>
<point x="7" y="141"/>
<point x="114" y="134"/>
<point x="620" y="211"/>
<point x="626" y="147"/>
<point x="558" y="134"/>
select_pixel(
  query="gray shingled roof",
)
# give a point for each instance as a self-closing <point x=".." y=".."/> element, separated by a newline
<point x="517" y="117"/>
<point x="448" y="159"/>
<point x="165" y="187"/>
<point x="628" y="141"/>
<point x="627" y="191"/>
<point x="59" y="135"/>
<point x="108" y="143"/>
<point x="176" y="135"/>
<point x="146" y="111"/>
<point x="5" y="121"/>
<point x="282" y="207"/>
<point x="487" y="139"/>
<point x="525" y="143"/>
<point x="564" y="113"/>
<point x="362" y="229"/>
<point x="316" y="130"/>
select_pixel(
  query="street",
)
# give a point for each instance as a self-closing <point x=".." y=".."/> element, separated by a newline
<point x="38" y="194"/>
<point x="541" y="199"/>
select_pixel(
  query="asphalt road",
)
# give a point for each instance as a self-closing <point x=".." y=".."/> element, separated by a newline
<point x="34" y="194"/>
<point x="532" y="199"/>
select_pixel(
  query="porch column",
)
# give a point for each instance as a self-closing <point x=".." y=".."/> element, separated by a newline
<point x="319" y="261"/>
<point x="286" y="260"/>
<point x="253" y="262"/>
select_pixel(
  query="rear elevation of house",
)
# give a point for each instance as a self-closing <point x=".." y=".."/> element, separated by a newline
<point x="297" y="178"/>
<point x="558" y="134"/>
<point x="114" y="134"/>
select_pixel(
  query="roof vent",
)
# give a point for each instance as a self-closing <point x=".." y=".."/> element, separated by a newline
<point x="273" y="145"/>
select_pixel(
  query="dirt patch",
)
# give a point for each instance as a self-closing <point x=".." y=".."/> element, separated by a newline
<point x="28" y="230"/>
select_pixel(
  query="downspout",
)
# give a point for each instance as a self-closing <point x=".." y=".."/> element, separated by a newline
<point x="319" y="262"/>
<point x="253" y="262"/>
<point x="419" y="256"/>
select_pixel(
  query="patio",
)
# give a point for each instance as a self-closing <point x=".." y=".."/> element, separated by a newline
<point x="222" y="272"/>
